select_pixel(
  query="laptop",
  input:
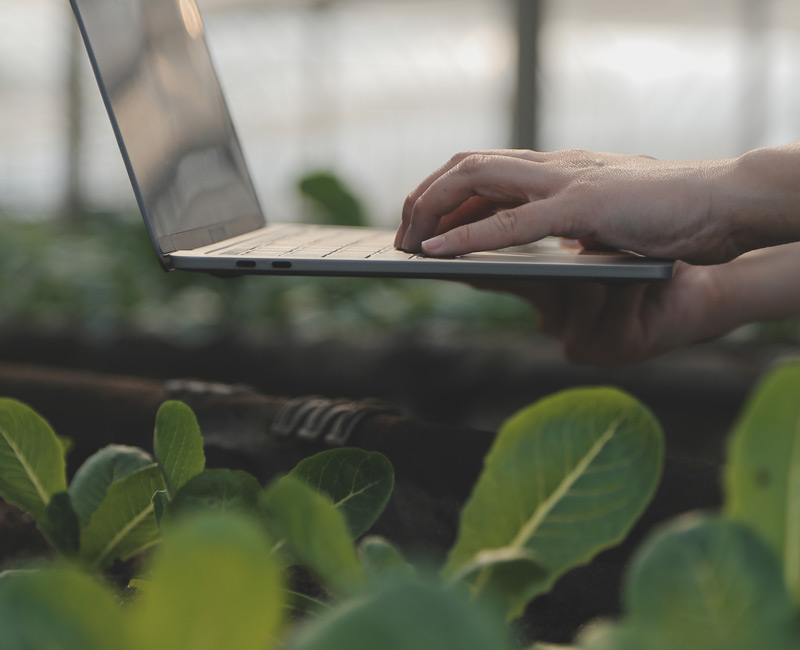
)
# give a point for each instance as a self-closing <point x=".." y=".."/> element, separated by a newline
<point x="196" y="196"/>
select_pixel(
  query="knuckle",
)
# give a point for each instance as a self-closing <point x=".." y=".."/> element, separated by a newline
<point x="408" y="207"/>
<point x="457" y="158"/>
<point x="473" y="163"/>
<point x="507" y="223"/>
<point x="419" y="211"/>
<point x="576" y="155"/>
<point x="463" y="236"/>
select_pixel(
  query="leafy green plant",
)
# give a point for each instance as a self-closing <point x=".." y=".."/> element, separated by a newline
<point x="213" y="584"/>
<point x="76" y="287"/>
<point x="762" y="477"/>
<point x="121" y="495"/>
<point x="565" y="479"/>
<point x="61" y="607"/>
<point x="106" y="513"/>
<point x="32" y="466"/>
<point x="711" y="582"/>
<point x="336" y="204"/>
<point x="359" y="483"/>
<point x="703" y="582"/>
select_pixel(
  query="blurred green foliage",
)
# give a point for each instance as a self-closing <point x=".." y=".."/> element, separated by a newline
<point x="98" y="275"/>
<point x="335" y="203"/>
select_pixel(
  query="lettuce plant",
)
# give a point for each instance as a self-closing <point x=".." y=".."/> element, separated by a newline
<point x="105" y="513"/>
<point x="118" y="498"/>
<point x="566" y="478"/>
<point x="727" y="582"/>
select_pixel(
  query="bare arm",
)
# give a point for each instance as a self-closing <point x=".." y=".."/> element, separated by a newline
<point x="704" y="212"/>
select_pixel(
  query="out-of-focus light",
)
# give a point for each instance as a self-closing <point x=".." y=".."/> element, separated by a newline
<point x="643" y="54"/>
<point x="484" y="52"/>
<point x="191" y="18"/>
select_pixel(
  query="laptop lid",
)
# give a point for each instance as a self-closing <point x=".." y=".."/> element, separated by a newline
<point x="170" y="118"/>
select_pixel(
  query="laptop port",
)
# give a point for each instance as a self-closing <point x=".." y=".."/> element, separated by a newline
<point x="246" y="264"/>
<point x="281" y="265"/>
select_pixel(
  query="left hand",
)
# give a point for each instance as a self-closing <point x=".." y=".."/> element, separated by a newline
<point x="608" y="325"/>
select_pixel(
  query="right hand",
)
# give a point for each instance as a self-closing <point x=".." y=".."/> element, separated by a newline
<point x="494" y="199"/>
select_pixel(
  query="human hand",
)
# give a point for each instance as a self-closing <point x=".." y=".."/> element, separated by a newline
<point x="608" y="325"/>
<point x="494" y="199"/>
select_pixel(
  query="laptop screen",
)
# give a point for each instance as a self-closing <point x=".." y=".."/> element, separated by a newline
<point x="171" y="120"/>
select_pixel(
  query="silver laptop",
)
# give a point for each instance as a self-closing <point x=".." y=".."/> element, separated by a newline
<point x="195" y="194"/>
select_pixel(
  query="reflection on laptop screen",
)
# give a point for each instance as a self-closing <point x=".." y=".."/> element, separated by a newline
<point x="182" y="152"/>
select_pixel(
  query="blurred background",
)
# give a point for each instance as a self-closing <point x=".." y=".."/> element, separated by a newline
<point x="374" y="94"/>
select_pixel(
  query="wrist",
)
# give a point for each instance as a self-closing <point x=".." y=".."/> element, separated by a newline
<point x="756" y="286"/>
<point x="758" y="197"/>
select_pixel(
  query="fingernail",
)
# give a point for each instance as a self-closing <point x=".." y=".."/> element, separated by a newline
<point x="434" y="244"/>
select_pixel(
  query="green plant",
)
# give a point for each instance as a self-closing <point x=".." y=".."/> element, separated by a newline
<point x="336" y="204"/>
<point x="580" y="465"/>
<point x="712" y="582"/>
<point x="76" y="286"/>
<point x="565" y="478"/>
<point x="121" y="495"/>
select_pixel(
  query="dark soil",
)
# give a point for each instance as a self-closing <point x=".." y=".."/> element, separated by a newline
<point x="20" y="540"/>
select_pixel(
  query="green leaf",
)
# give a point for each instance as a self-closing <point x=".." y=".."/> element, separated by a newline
<point x="67" y="444"/>
<point x="315" y="533"/>
<point x="138" y="584"/>
<point x="10" y="574"/>
<point x="613" y="636"/>
<point x="503" y="574"/>
<point x="61" y="609"/>
<point x="411" y="616"/>
<point x="212" y="585"/>
<point x="358" y="482"/>
<point x="382" y="561"/>
<point x="124" y="523"/>
<point x="160" y="502"/>
<point x="32" y="467"/>
<point x="98" y="472"/>
<point x="60" y="524"/>
<point x="566" y="478"/>
<point x="299" y="602"/>
<point x="337" y="204"/>
<point x="710" y="584"/>
<point x="762" y="476"/>
<point x="217" y="490"/>
<point x="178" y="445"/>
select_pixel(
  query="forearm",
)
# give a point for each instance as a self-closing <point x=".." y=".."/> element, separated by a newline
<point x="759" y="196"/>
<point x="760" y="285"/>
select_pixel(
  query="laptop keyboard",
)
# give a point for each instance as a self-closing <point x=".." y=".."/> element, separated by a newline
<point x="320" y="243"/>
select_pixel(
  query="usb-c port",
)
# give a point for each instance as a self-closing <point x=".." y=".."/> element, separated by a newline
<point x="281" y="265"/>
